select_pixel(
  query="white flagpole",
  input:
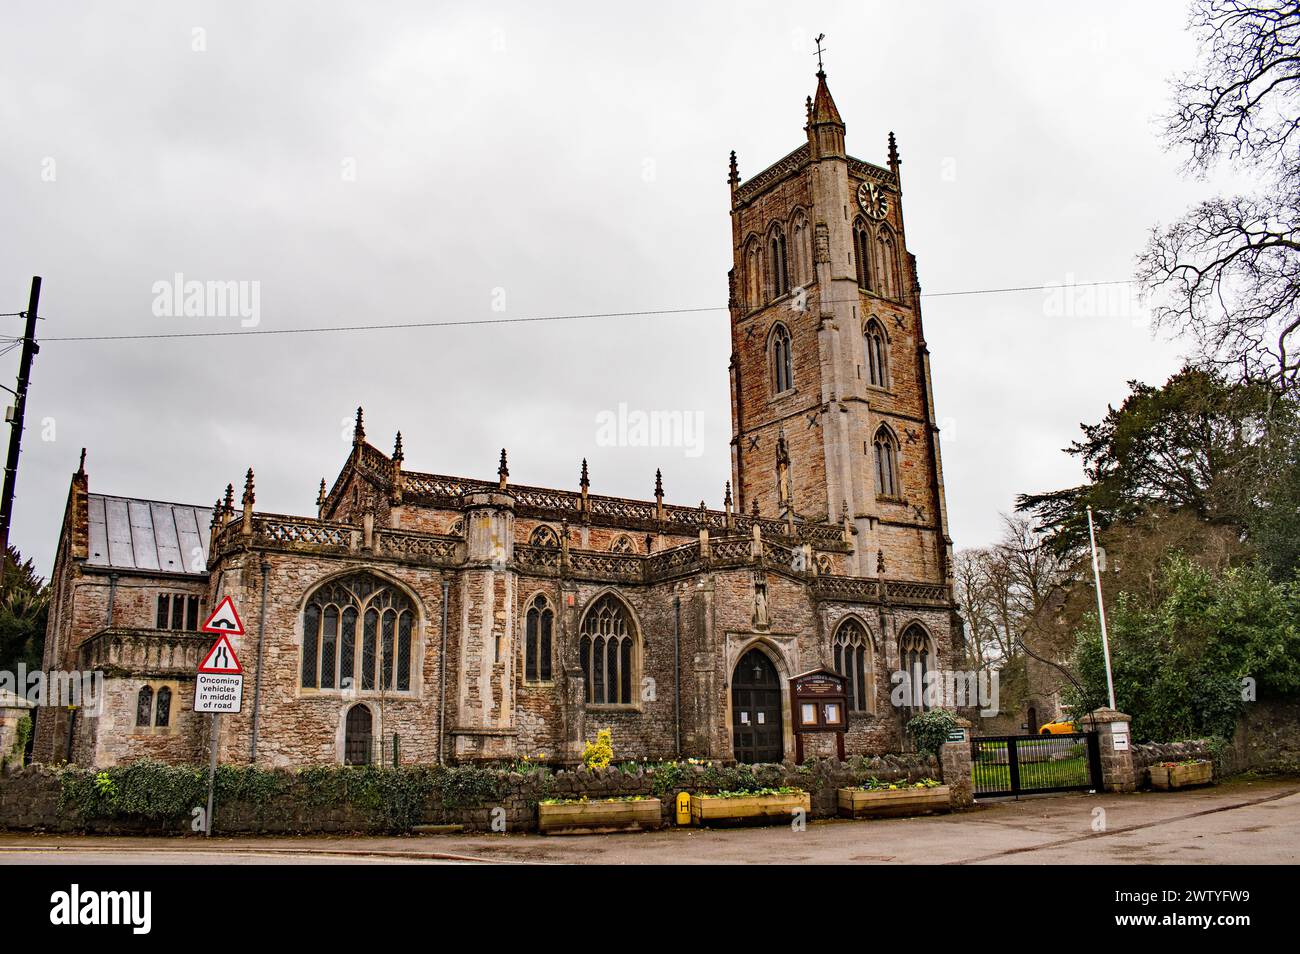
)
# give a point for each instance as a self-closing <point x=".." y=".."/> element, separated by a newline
<point x="1101" y="611"/>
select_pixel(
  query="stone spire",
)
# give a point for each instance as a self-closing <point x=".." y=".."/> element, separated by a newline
<point x="358" y="430"/>
<point x="320" y="496"/>
<point x="659" y="494"/>
<point x="733" y="175"/>
<point x="81" y="465"/>
<point x="398" y="456"/>
<point x="584" y="480"/>
<point x="894" y="161"/>
<point x="503" y="472"/>
<point x="825" y="127"/>
<point x="246" y="528"/>
<point x="823" y="105"/>
<point x="228" y="506"/>
<point x="214" y="530"/>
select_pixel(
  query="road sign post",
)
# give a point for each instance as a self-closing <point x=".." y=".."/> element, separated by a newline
<point x="219" y="686"/>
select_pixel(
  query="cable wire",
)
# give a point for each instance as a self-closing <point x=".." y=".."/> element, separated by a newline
<point x="393" y="326"/>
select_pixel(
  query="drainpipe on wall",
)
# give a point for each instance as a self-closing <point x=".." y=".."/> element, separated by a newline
<point x="442" y="677"/>
<point x="72" y="727"/>
<point x="257" y="677"/>
<point x="677" y="661"/>
<point x="112" y="598"/>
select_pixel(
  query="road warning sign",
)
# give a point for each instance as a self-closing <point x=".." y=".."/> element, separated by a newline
<point x="224" y="619"/>
<point x="219" y="685"/>
<point x="221" y="658"/>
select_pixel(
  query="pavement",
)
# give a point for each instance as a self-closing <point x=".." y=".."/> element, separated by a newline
<point x="1242" y="821"/>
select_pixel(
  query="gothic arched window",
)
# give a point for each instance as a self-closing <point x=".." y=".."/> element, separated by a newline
<point x="336" y="655"/>
<point x="607" y="652"/>
<point x="886" y="449"/>
<point x="753" y="274"/>
<point x="852" y="658"/>
<point x="539" y="623"/>
<point x="144" y="706"/>
<point x="802" y="245"/>
<point x="545" y="536"/>
<point x="862" y="253"/>
<point x="888" y="257"/>
<point x="877" y="347"/>
<point x="914" y="659"/>
<point x="777" y="263"/>
<point x="622" y="545"/>
<point x="163" y="709"/>
<point x="782" y="360"/>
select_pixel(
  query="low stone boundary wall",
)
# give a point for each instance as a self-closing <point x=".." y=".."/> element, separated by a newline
<point x="1147" y="754"/>
<point x="152" y="798"/>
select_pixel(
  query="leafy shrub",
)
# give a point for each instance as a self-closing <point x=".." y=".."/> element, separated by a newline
<point x="1179" y="660"/>
<point x="598" y="754"/>
<point x="929" y="730"/>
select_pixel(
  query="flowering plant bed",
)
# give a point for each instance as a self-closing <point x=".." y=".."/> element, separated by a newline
<point x="875" y="799"/>
<point x="1167" y="775"/>
<point x="762" y="807"/>
<point x="578" y="816"/>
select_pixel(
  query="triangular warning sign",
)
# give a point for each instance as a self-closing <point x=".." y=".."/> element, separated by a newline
<point x="221" y="658"/>
<point x="224" y="620"/>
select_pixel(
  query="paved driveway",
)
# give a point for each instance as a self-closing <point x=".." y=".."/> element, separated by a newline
<point x="1252" y="822"/>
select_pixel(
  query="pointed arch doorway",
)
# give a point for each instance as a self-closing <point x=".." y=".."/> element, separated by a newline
<point x="357" y="736"/>
<point x="757" y="730"/>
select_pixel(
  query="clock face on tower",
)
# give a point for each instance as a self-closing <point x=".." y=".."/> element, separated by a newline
<point x="873" y="200"/>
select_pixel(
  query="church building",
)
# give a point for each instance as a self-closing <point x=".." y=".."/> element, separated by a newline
<point x="430" y="618"/>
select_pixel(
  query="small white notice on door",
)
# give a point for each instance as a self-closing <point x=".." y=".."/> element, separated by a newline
<point x="744" y="718"/>
<point x="760" y="717"/>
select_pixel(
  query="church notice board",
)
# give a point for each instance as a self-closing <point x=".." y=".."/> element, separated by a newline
<point x="819" y="703"/>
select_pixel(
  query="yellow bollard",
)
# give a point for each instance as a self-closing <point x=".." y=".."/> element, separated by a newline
<point x="683" y="808"/>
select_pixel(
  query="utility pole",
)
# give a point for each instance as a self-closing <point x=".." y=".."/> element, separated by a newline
<point x="20" y="406"/>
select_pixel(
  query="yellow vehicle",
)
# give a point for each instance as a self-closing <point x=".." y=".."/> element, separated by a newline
<point x="1061" y="726"/>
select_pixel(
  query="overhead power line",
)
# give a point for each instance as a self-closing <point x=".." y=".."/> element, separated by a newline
<point x="466" y="322"/>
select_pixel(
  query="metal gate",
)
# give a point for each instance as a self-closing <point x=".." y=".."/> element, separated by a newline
<point x="1034" y="764"/>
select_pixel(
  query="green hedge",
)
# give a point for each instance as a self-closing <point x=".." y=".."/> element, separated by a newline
<point x="392" y="799"/>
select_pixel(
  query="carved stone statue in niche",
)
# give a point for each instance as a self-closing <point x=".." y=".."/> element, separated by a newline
<point x="760" y="602"/>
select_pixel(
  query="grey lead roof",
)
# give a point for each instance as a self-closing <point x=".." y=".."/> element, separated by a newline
<point x="147" y="535"/>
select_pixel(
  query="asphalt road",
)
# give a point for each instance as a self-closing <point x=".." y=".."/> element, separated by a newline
<point x="1240" y="822"/>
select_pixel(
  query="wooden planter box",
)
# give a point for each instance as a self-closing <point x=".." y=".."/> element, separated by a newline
<point x="883" y="803"/>
<point x="747" y="809"/>
<point x="586" y="817"/>
<point x="1181" y="776"/>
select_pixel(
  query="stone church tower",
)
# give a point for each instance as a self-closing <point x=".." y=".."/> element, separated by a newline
<point x="832" y="407"/>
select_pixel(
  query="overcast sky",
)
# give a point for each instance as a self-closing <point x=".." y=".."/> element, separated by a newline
<point x="369" y="163"/>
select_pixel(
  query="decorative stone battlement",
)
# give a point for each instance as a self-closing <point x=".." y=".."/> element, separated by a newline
<point x="305" y="535"/>
<point x="150" y="652"/>
<point x="446" y="492"/>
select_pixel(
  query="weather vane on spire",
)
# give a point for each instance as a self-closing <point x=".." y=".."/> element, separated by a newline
<point x="818" y="41"/>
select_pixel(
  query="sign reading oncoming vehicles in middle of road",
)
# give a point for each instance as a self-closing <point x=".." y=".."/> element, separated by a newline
<point x="219" y="683"/>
